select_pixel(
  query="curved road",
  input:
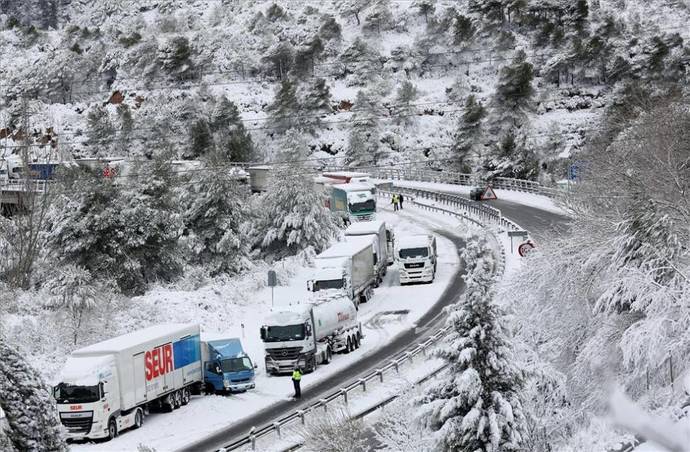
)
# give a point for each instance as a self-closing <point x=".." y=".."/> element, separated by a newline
<point x="534" y="220"/>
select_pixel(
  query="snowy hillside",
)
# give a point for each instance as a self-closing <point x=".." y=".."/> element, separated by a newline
<point x="369" y="82"/>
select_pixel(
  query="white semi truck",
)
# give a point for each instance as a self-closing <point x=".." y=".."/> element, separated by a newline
<point x="109" y="386"/>
<point x="306" y="335"/>
<point x="382" y="241"/>
<point x="348" y="266"/>
<point x="416" y="256"/>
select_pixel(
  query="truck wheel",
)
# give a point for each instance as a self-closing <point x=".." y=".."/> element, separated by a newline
<point x="355" y="341"/>
<point x="112" y="429"/>
<point x="329" y="355"/>
<point x="186" y="396"/>
<point x="138" y="419"/>
<point x="168" y="404"/>
<point x="177" y="399"/>
<point x="348" y="347"/>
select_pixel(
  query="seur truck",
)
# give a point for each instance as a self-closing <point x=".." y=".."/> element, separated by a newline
<point x="346" y="266"/>
<point x="308" y="334"/>
<point x="109" y="386"/>
<point x="227" y="368"/>
<point x="416" y="256"/>
<point x="382" y="241"/>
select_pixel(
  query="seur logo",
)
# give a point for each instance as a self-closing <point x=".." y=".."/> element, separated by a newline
<point x="158" y="361"/>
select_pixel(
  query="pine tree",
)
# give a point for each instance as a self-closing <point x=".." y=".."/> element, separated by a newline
<point x="200" y="140"/>
<point x="364" y="146"/>
<point x="463" y="29"/>
<point x="361" y="63"/>
<point x="407" y="93"/>
<point x="491" y="11"/>
<point x="477" y="406"/>
<point x="306" y="57"/>
<point x="353" y="8"/>
<point x="32" y="423"/>
<point x="512" y="157"/>
<point x="467" y="146"/>
<point x="514" y="90"/>
<point x="174" y="56"/>
<point x="425" y="7"/>
<point x="73" y="290"/>
<point x="379" y="17"/>
<point x="124" y="115"/>
<point x="213" y="218"/>
<point x="317" y="102"/>
<point x="284" y="106"/>
<point x="293" y="215"/>
<point x="231" y="137"/>
<point x="100" y="129"/>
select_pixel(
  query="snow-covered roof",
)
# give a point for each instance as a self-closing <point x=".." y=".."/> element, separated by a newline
<point x="86" y="370"/>
<point x="413" y="241"/>
<point x="365" y="227"/>
<point x="288" y="315"/>
<point x="344" y="249"/>
<point x="330" y="262"/>
<point x="345" y="174"/>
<point x="352" y="187"/>
<point x="328" y="273"/>
<point x="259" y="168"/>
<point x="120" y="343"/>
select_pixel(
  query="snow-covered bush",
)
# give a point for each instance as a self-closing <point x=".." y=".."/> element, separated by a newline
<point x="400" y="431"/>
<point x="334" y="431"/>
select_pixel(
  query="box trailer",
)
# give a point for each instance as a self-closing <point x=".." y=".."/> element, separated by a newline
<point x="109" y="386"/>
<point x="382" y="238"/>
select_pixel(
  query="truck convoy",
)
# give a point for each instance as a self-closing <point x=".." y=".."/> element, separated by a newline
<point x="382" y="241"/>
<point x="308" y="334"/>
<point x="416" y="256"/>
<point x="227" y="368"/>
<point x="348" y="267"/>
<point x="109" y="386"/>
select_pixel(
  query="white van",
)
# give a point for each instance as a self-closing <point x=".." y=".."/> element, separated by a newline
<point x="416" y="257"/>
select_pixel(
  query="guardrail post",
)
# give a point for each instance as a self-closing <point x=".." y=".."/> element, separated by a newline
<point x="379" y="372"/>
<point x="300" y="413"/>
<point x="276" y="427"/>
<point x="343" y="392"/>
<point x="410" y="356"/>
<point x="324" y="403"/>
<point x="363" y="382"/>
<point x="396" y="365"/>
<point x="252" y="438"/>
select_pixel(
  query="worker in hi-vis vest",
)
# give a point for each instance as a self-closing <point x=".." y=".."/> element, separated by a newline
<point x="296" y="377"/>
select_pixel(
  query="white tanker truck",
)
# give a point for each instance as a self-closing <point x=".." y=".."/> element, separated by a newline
<point x="306" y="335"/>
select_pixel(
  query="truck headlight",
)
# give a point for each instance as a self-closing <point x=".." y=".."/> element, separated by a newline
<point x="226" y="383"/>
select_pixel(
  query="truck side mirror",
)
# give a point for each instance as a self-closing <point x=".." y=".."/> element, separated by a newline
<point x="263" y="333"/>
<point x="218" y="369"/>
<point x="256" y="366"/>
<point x="310" y="285"/>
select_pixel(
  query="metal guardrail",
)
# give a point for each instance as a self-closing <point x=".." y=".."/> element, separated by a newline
<point x="340" y="394"/>
<point x="22" y="185"/>
<point x="483" y="212"/>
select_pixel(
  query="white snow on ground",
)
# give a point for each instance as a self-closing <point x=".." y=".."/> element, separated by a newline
<point x="526" y="199"/>
<point x="206" y="414"/>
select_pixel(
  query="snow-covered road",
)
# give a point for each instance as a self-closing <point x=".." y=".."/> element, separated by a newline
<point x="383" y="318"/>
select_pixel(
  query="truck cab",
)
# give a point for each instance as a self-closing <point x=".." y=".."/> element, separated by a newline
<point x="88" y="399"/>
<point x="288" y="340"/>
<point x="416" y="257"/>
<point x="227" y="368"/>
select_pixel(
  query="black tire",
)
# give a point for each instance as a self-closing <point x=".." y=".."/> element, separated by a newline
<point x="138" y="419"/>
<point x="168" y="404"/>
<point x="313" y="364"/>
<point x="329" y="355"/>
<point x="177" y="399"/>
<point x="186" y="396"/>
<point x="209" y="389"/>
<point x="355" y="341"/>
<point x="348" y="347"/>
<point x="112" y="429"/>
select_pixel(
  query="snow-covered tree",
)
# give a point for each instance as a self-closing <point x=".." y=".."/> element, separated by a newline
<point x="174" y="56"/>
<point x="406" y="94"/>
<point x="73" y="289"/>
<point x="361" y="63"/>
<point x="32" y="423"/>
<point x="126" y="126"/>
<point x="378" y="16"/>
<point x="232" y="139"/>
<point x="467" y="147"/>
<point x="213" y="218"/>
<point x="353" y="8"/>
<point x="293" y="216"/>
<point x="514" y="91"/>
<point x="364" y="145"/>
<point x="284" y="106"/>
<point x="317" y="102"/>
<point x="425" y="8"/>
<point x="477" y="406"/>
<point x="101" y="130"/>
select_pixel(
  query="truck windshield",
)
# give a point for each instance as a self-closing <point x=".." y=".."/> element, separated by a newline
<point x="65" y="393"/>
<point x="285" y="333"/>
<point x="236" y="364"/>
<point x="329" y="284"/>
<point x="413" y="252"/>
<point x="367" y="206"/>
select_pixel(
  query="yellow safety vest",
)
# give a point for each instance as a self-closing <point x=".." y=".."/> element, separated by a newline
<point x="296" y="375"/>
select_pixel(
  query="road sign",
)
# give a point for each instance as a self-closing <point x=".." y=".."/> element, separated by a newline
<point x="520" y="234"/>
<point x="573" y="171"/>
<point x="525" y="248"/>
<point x="272" y="282"/>
<point x="488" y="194"/>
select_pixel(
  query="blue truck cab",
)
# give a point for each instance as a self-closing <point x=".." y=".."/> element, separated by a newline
<point x="227" y="368"/>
